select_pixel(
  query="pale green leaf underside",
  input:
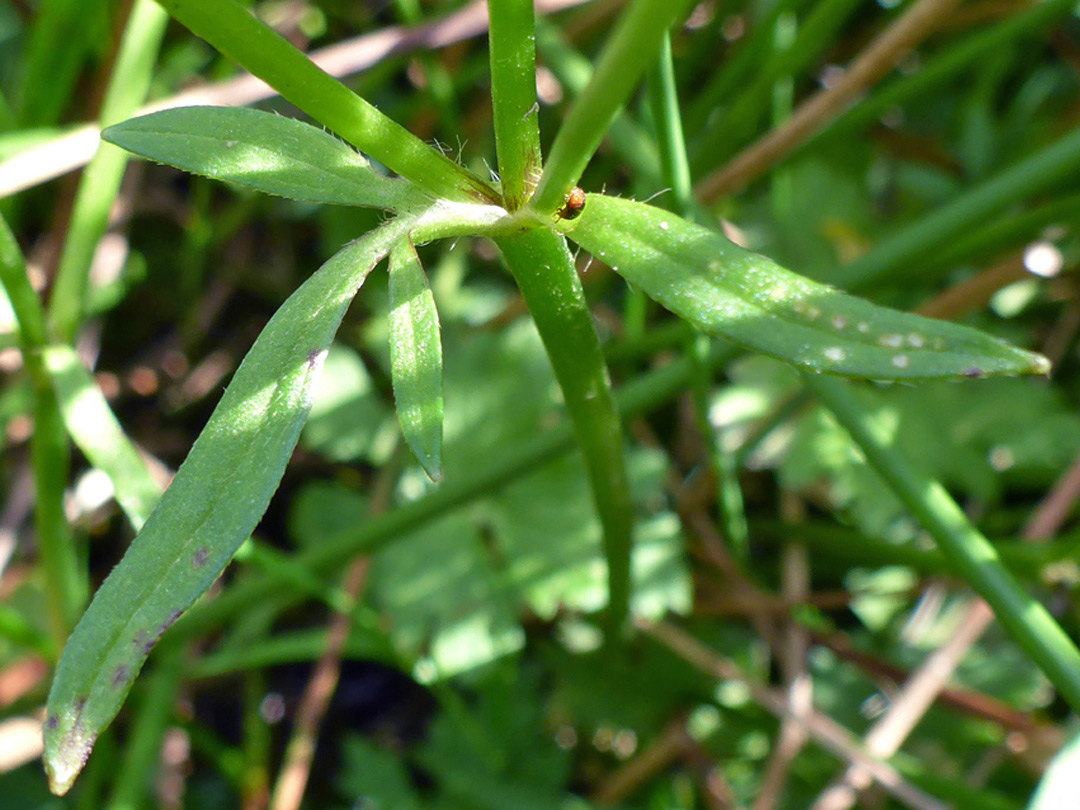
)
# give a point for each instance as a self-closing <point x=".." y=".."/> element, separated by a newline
<point x="216" y="499"/>
<point x="94" y="427"/>
<point x="739" y="295"/>
<point x="266" y="152"/>
<point x="416" y="358"/>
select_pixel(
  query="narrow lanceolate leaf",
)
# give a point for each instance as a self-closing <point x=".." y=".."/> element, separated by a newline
<point x="416" y="357"/>
<point x="735" y="294"/>
<point x="92" y="425"/>
<point x="217" y="497"/>
<point x="265" y="152"/>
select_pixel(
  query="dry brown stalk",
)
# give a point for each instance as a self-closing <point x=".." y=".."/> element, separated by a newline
<point x="873" y="64"/>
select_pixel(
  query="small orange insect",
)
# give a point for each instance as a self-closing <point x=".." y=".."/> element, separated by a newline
<point x="575" y="204"/>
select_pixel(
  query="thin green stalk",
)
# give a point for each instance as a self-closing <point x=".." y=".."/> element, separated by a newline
<point x="1045" y="168"/>
<point x="101" y="180"/>
<point x="231" y="29"/>
<point x="548" y="280"/>
<point x="667" y="120"/>
<point x="65" y="591"/>
<point x="971" y="555"/>
<point x="625" y="58"/>
<point x="638" y="396"/>
<point x="729" y="497"/>
<point x="512" y="38"/>
<point x="630" y="140"/>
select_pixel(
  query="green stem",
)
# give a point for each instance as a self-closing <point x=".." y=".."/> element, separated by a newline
<point x="545" y="273"/>
<point x="971" y="555"/>
<point x="65" y="591"/>
<point x="625" y="58"/>
<point x="667" y="120"/>
<point x="100" y="183"/>
<point x="512" y="38"/>
<point x="631" y="141"/>
<point x="231" y="29"/>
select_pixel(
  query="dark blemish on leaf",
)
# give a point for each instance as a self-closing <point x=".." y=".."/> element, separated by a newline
<point x="169" y="622"/>
<point x="575" y="204"/>
<point x="199" y="558"/>
<point x="79" y="704"/>
<point x="52" y="722"/>
<point x="140" y="640"/>
<point x="972" y="372"/>
<point x="120" y="675"/>
<point x="313" y="357"/>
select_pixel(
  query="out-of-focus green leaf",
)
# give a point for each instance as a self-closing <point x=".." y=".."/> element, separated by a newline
<point x="217" y="497"/>
<point x="265" y="152"/>
<point x="92" y="425"/>
<point x="416" y="358"/>
<point x="732" y="293"/>
<point x="349" y="420"/>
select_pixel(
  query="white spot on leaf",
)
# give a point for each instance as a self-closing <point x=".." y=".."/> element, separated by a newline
<point x="891" y="341"/>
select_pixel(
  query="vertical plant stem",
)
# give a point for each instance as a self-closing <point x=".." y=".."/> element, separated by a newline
<point x="512" y="38"/>
<point x="545" y="273"/>
<point x="664" y="100"/>
<point x="100" y="183"/>
<point x="232" y="29"/>
<point x="667" y="120"/>
<point x="65" y="591"/>
<point x="625" y="58"/>
<point x="972" y="556"/>
<point x="630" y="140"/>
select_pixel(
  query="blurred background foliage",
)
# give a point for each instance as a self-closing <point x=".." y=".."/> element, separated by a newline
<point x="473" y="675"/>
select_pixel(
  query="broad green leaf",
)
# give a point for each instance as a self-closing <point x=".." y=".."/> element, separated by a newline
<point x="92" y="425"/>
<point x="265" y="152"/>
<point x="739" y="295"/>
<point x="416" y="357"/>
<point x="216" y="499"/>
